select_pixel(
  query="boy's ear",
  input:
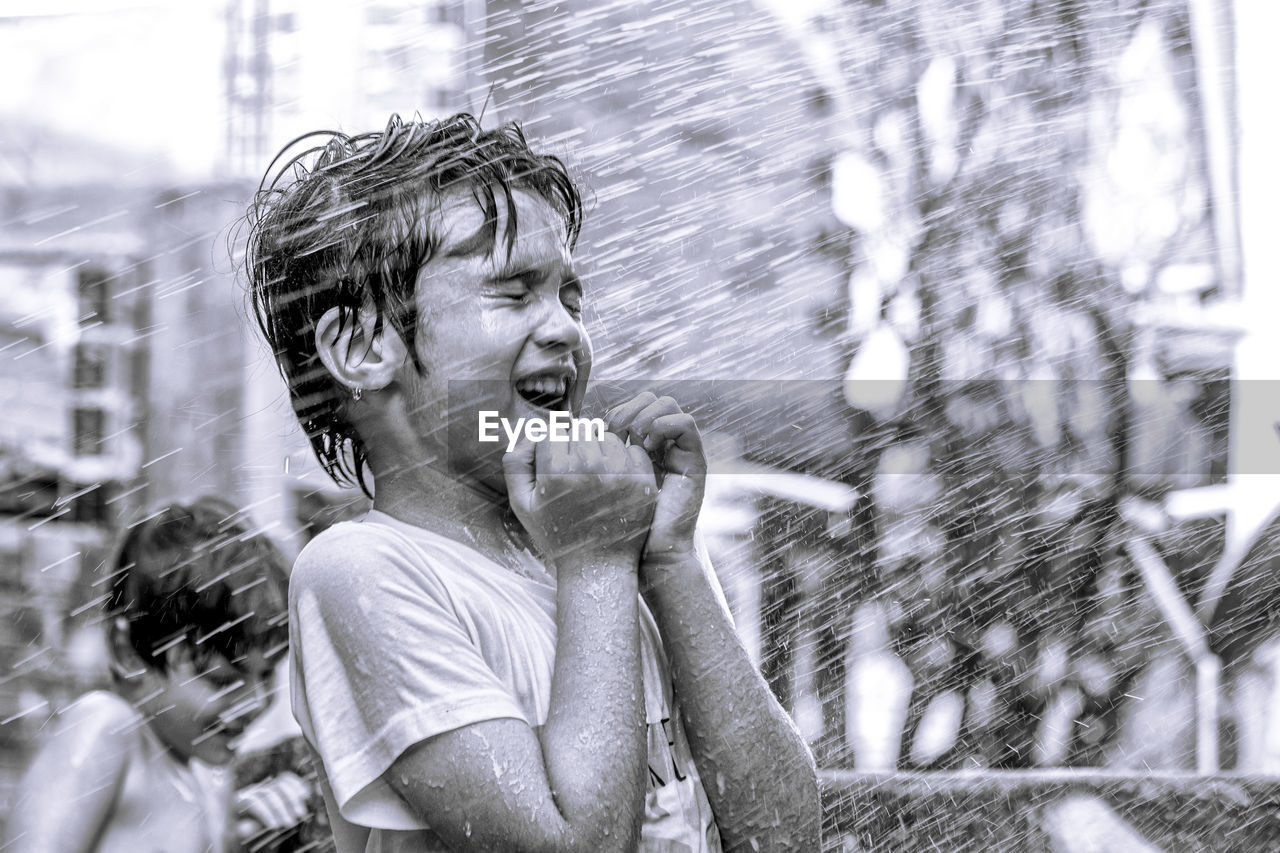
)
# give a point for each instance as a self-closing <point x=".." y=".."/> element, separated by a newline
<point x="122" y="658"/>
<point x="353" y="354"/>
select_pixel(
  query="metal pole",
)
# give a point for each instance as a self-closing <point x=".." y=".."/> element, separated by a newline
<point x="1214" y="86"/>
<point x="1190" y="633"/>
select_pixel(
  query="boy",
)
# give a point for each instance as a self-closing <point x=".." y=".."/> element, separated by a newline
<point x="196" y="612"/>
<point x="473" y="662"/>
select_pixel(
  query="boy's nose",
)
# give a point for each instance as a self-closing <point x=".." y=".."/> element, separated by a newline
<point x="249" y="702"/>
<point x="557" y="327"/>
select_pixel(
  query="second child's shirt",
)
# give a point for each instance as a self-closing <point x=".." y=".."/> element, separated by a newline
<point x="399" y="634"/>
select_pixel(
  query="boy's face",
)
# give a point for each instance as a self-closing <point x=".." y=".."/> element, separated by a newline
<point x="204" y="707"/>
<point x="496" y="332"/>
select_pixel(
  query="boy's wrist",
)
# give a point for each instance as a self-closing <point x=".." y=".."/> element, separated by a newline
<point x="596" y="560"/>
<point x="676" y="554"/>
<point x="661" y="571"/>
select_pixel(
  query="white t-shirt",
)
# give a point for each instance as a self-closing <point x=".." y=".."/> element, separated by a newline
<point x="399" y="634"/>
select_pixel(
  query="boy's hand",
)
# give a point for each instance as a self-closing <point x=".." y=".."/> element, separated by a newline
<point x="279" y="803"/>
<point x="672" y="440"/>
<point x="582" y="499"/>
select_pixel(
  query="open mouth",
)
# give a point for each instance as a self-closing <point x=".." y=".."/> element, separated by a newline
<point x="545" y="391"/>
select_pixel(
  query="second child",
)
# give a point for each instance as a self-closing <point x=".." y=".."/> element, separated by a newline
<point x="196" y="618"/>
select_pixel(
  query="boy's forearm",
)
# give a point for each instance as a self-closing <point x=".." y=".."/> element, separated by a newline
<point x="594" y="739"/>
<point x="757" y="771"/>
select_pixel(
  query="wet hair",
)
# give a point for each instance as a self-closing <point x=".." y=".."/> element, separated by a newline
<point x="350" y="222"/>
<point x="200" y="576"/>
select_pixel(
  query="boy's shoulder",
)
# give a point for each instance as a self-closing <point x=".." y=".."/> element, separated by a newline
<point x="351" y="553"/>
<point x="104" y="719"/>
<point x="336" y="552"/>
<point x="105" y="707"/>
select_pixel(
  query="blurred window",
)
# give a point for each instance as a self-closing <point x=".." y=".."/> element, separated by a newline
<point x="88" y="430"/>
<point x="91" y="284"/>
<point x="90" y="369"/>
<point x="441" y="13"/>
<point x="91" y="506"/>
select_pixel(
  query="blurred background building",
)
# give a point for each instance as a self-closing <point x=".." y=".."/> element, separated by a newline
<point x="294" y="67"/>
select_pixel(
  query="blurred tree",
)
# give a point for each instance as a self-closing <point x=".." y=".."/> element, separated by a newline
<point x="1037" y="162"/>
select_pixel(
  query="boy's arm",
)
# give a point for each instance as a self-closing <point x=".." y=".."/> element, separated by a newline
<point x="578" y="783"/>
<point x="757" y="771"/>
<point x="755" y="767"/>
<point x="67" y="795"/>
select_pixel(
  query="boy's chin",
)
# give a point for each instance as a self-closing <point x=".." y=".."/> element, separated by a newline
<point x="218" y="751"/>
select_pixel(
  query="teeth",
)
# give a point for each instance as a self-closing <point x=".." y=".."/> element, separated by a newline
<point x="545" y="385"/>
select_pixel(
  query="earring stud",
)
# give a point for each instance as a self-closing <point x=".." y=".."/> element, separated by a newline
<point x="356" y="393"/>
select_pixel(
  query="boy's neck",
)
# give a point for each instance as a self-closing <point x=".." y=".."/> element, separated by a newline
<point x="150" y="705"/>
<point x="470" y="512"/>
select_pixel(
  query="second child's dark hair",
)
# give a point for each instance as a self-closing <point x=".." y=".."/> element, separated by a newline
<point x="199" y="575"/>
<point x="350" y="222"/>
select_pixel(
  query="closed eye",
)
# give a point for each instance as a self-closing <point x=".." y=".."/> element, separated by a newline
<point x="514" y="289"/>
<point x="225" y="680"/>
<point x="215" y="669"/>
<point x="515" y="285"/>
<point x="571" y="296"/>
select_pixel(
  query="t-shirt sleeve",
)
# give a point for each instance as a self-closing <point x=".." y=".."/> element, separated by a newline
<point x="382" y="662"/>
